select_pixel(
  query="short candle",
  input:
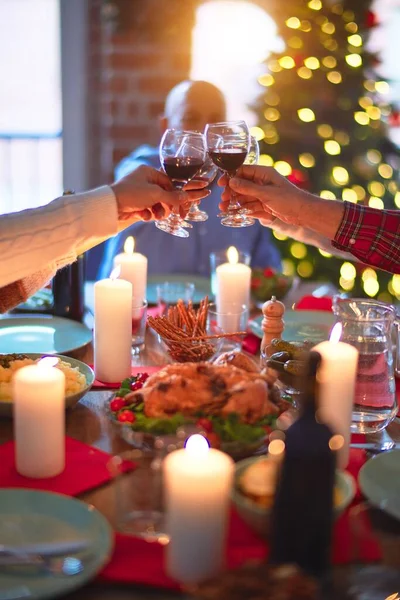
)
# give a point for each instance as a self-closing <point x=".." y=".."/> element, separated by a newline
<point x="198" y="480"/>
<point x="133" y="267"/>
<point x="233" y="290"/>
<point x="112" y="329"/>
<point x="39" y="420"/>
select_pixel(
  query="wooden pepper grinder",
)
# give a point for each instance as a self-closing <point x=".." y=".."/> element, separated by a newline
<point x="272" y="323"/>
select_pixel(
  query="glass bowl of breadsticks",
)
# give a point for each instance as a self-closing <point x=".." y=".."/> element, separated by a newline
<point x="187" y="334"/>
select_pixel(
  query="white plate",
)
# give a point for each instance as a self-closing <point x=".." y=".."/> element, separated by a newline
<point x="300" y="325"/>
<point x="379" y="481"/>
<point x="42" y="333"/>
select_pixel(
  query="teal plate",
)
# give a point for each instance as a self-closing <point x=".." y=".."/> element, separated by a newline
<point x="300" y="325"/>
<point x="41" y="333"/>
<point x="202" y="286"/>
<point x="30" y="517"/>
<point x="379" y="481"/>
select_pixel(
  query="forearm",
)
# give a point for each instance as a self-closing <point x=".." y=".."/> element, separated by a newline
<point x="14" y="293"/>
<point x="51" y="236"/>
<point x="321" y="216"/>
<point x="309" y="237"/>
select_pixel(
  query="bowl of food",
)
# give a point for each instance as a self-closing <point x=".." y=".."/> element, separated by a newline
<point x="186" y="333"/>
<point x="79" y="378"/>
<point x="254" y="490"/>
<point x="269" y="282"/>
<point x="286" y="360"/>
<point x="232" y="407"/>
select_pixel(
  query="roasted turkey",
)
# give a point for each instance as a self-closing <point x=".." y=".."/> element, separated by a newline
<point x="190" y="388"/>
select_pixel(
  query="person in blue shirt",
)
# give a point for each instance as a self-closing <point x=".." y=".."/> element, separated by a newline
<point x="190" y="105"/>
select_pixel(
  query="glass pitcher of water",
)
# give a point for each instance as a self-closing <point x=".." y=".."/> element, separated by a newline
<point x="368" y="325"/>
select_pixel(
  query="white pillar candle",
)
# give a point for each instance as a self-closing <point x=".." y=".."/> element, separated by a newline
<point x="39" y="420"/>
<point x="198" y="481"/>
<point x="112" y="329"/>
<point x="337" y="378"/>
<point x="233" y="290"/>
<point x="134" y="269"/>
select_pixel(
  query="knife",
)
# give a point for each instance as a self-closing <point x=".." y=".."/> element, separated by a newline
<point x="45" y="548"/>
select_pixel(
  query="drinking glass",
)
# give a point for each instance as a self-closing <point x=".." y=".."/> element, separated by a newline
<point x="229" y="157"/>
<point x="169" y="292"/>
<point x="139" y="318"/>
<point x="139" y="502"/>
<point x="182" y="154"/>
<point x="230" y="318"/>
<point x="367" y="325"/>
<point x="220" y="257"/>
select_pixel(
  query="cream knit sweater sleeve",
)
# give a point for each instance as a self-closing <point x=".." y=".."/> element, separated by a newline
<point x="49" y="237"/>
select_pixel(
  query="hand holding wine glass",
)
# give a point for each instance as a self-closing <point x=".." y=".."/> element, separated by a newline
<point x="182" y="154"/>
<point x="229" y="157"/>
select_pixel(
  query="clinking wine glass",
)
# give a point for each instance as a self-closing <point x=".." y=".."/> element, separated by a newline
<point x="207" y="174"/>
<point x="229" y="157"/>
<point x="182" y="154"/>
<point x="251" y="159"/>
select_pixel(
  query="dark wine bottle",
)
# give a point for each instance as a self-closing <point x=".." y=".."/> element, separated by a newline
<point x="68" y="289"/>
<point x="302" y="514"/>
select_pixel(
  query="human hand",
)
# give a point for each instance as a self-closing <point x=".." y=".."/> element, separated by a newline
<point x="148" y="194"/>
<point x="267" y="194"/>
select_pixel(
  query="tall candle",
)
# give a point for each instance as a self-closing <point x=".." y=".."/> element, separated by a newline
<point x="112" y="329"/>
<point x="233" y="290"/>
<point x="197" y="487"/>
<point x="337" y="378"/>
<point x="134" y="269"/>
<point x="39" y="420"/>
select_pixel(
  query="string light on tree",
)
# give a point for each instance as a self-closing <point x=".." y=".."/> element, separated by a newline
<point x="324" y="116"/>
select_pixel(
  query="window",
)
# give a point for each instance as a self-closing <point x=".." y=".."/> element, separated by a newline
<point x="231" y="40"/>
<point x="30" y="103"/>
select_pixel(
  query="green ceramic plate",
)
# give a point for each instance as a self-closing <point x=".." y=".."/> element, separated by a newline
<point x="202" y="285"/>
<point x="30" y="517"/>
<point x="41" y="333"/>
<point x="301" y="325"/>
<point x="6" y="408"/>
<point x="379" y="481"/>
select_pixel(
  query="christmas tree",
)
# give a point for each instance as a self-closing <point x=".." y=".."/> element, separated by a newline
<point x="323" y="123"/>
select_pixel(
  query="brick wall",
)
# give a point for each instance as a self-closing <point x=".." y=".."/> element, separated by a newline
<point x="132" y="66"/>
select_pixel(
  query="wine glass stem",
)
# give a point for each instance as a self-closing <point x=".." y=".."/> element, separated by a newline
<point x="233" y="203"/>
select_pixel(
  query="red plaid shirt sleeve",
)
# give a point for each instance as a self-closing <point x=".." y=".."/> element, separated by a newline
<point x="371" y="235"/>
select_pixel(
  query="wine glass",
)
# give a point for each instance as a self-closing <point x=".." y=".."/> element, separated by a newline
<point x="182" y="154"/>
<point x="253" y="153"/>
<point x="228" y="158"/>
<point x="251" y="159"/>
<point x="207" y="174"/>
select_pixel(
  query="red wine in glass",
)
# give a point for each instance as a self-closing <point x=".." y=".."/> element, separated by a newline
<point x="228" y="159"/>
<point x="181" y="169"/>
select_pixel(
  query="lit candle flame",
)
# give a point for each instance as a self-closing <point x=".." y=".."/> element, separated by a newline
<point x="47" y="361"/>
<point x="129" y="245"/>
<point x="276" y="448"/>
<point x="233" y="255"/>
<point x="336" y="333"/>
<point x="115" y="273"/>
<point x="197" y="445"/>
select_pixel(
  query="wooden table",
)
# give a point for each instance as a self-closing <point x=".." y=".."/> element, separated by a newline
<point x="88" y="423"/>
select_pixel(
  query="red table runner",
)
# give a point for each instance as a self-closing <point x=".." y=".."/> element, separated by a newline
<point x="85" y="469"/>
<point x="136" y="561"/>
